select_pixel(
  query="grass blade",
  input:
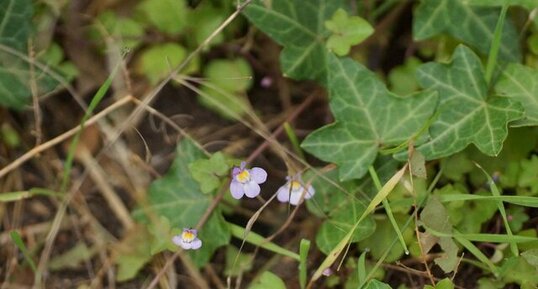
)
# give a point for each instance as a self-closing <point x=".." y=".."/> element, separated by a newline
<point x="16" y="238"/>
<point x="303" y="255"/>
<point x="495" y="45"/>
<point x="379" y="197"/>
<point x="386" y="204"/>
<point x="495" y="192"/>
<point x="258" y="240"/>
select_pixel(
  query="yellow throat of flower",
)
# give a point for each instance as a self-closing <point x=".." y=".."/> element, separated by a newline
<point x="243" y="176"/>
<point x="187" y="236"/>
<point x="295" y="185"/>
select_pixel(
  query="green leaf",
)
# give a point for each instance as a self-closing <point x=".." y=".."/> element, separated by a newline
<point x="368" y="117"/>
<point x="204" y="20"/>
<point x="402" y="78"/>
<point x="208" y="173"/>
<point x="224" y="91"/>
<point x="376" y="284"/>
<point x="158" y="61"/>
<point x="435" y="216"/>
<point x="298" y="26"/>
<point x="443" y="284"/>
<point x="529" y="175"/>
<point x="237" y="263"/>
<point x="329" y="192"/>
<point x="15" y="74"/>
<point x="230" y="75"/>
<point x="125" y="30"/>
<point x="517" y="217"/>
<point x="382" y="238"/>
<point x="178" y="197"/>
<point x="72" y="258"/>
<point x="531" y="256"/>
<point x="169" y="16"/>
<point x="466" y="113"/>
<point x="346" y="32"/>
<point x="521" y="83"/>
<point x="473" y="25"/>
<point x="268" y="280"/>
<point x="519" y="271"/>
<point x="132" y="253"/>
<point x="340" y="222"/>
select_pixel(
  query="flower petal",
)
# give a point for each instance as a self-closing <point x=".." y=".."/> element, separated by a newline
<point x="177" y="240"/>
<point x="185" y="245"/>
<point x="259" y="175"/>
<point x="295" y="198"/>
<point x="252" y="189"/>
<point x="283" y="193"/>
<point x="310" y="192"/>
<point x="235" y="171"/>
<point x="196" y="244"/>
<point x="236" y="188"/>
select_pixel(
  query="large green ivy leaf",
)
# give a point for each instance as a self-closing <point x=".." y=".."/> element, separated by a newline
<point x="15" y="74"/>
<point x="466" y="113"/>
<point x="178" y="197"/>
<point x="473" y="25"/>
<point x="340" y="222"/>
<point x="368" y="117"/>
<point x="298" y="25"/>
<point x="521" y="83"/>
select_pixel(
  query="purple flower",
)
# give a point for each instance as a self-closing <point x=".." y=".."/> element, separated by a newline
<point x="293" y="190"/>
<point x="247" y="182"/>
<point x="188" y="239"/>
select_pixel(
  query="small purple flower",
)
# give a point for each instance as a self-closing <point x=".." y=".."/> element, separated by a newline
<point x="293" y="190"/>
<point x="247" y="181"/>
<point x="327" y="272"/>
<point x="188" y="239"/>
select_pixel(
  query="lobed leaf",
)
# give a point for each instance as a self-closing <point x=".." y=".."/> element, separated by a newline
<point x="467" y="114"/>
<point x="298" y="25"/>
<point x="368" y="117"/>
<point x="520" y="83"/>
<point x="473" y="25"/>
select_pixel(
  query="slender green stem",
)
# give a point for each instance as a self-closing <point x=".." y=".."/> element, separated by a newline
<point x="258" y="240"/>
<point x="294" y="140"/>
<point x="16" y="238"/>
<point x="495" y="45"/>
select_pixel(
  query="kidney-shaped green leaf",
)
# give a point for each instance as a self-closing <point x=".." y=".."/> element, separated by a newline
<point x="466" y="113"/>
<point x="298" y="25"/>
<point x="178" y="197"/>
<point x="368" y="117"/>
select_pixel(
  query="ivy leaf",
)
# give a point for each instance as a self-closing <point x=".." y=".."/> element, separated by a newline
<point x="473" y="25"/>
<point x="466" y="113"/>
<point x="208" y="172"/>
<point x="178" y="197"/>
<point x="15" y="74"/>
<point x="521" y="83"/>
<point x="298" y="26"/>
<point x="340" y="222"/>
<point x="347" y="31"/>
<point x="368" y="117"/>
